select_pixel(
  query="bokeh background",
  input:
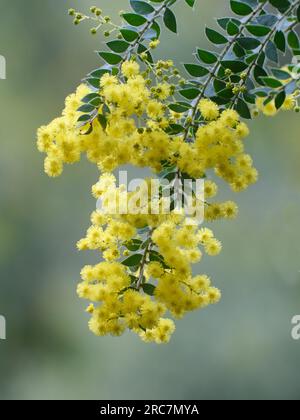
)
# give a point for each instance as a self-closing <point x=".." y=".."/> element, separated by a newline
<point x="239" y="349"/>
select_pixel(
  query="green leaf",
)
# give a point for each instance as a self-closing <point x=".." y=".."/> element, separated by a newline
<point x="110" y="58"/>
<point x="149" y="289"/>
<point x="239" y="51"/>
<point x="102" y="120"/>
<point x="191" y="3"/>
<point x="133" y="260"/>
<point x="207" y="57"/>
<point x="223" y="22"/>
<point x="84" y="118"/>
<point x="133" y="244"/>
<point x="118" y="46"/>
<point x="271" y="82"/>
<point x="141" y="7"/>
<point x="134" y="19"/>
<point x="250" y="98"/>
<point x="195" y="70"/>
<point x="258" y="30"/>
<point x="226" y="93"/>
<point x="293" y="40"/>
<point x="240" y="8"/>
<point x="155" y="256"/>
<point x="170" y="20"/>
<point x="155" y="27"/>
<point x="88" y="98"/>
<point x="281" y="74"/>
<point x="86" y="108"/>
<point x="271" y="52"/>
<point x="89" y="131"/>
<point x="232" y="28"/>
<point x="219" y="85"/>
<point x="93" y="82"/>
<point x="281" y="5"/>
<point x="291" y="87"/>
<point x="98" y="73"/>
<point x="251" y="58"/>
<point x="129" y="35"/>
<point x="280" y="42"/>
<point x="115" y="71"/>
<point x="177" y="107"/>
<point x="234" y="65"/>
<point x="215" y="37"/>
<point x="298" y="14"/>
<point x="279" y="100"/>
<point x="261" y="59"/>
<point x="259" y="72"/>
<point x="189" y="93"/>
<point x="243" y="109"/>
<point x="249" y="43"/>
<point x="174" y="129"/>
<point x="96" y="102"/>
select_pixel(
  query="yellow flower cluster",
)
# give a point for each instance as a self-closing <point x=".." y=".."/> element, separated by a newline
<point x="121" y="305"/>
<point x="270" y="109"/>
<point x="125" y="140"/>
<point x="179" y="244"/>
<point x="159" y="247"/>
<point x="61" y="139"/>
<point x="165" y="265"/>
<point x="219" y="145"/>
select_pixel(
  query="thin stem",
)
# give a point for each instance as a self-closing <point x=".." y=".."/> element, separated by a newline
<point x="292" y="26"/>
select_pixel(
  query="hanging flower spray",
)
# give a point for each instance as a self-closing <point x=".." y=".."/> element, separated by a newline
<point x="182" y="123"/>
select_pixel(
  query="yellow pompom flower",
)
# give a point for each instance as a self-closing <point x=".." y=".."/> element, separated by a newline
<point x="230" y="117"/>
<point x="210" y="189"/>
<point x="155" y="109"/>
<point x="53" y="167"/>
<point x="209" y="109"/>
<point x="130" y="69"/>
<point x="213" y="247"/>
<point x="230" y="210"/>
<point x="242" y="130"/>
<point x="289" y="103"/>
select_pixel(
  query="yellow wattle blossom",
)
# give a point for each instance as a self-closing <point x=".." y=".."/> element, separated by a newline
<point x="131" y="128"/>
<point x="209" y="110"/>
<point x="130" y="69"/>
<point x="289" y="103"/>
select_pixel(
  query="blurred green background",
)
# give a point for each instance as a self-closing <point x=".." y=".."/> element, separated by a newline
<point x="239" y="349"/>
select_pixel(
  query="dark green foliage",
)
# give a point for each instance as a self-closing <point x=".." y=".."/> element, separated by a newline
<point x="244" y="63"/>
